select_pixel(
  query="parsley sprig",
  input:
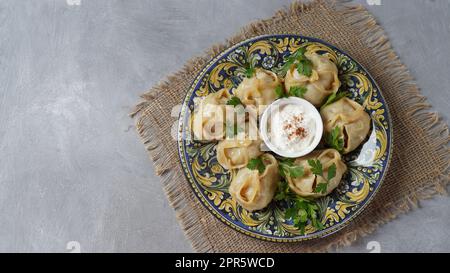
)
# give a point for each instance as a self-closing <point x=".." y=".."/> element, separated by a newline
<point x="297" y="55"/>
<point x="287" y="168"/>
<point x="317" y="169"/>
<point x="297" y="91"/>
<point x="250" y="71"/>
<point x="304" y="66"/>
<point x="256" y="164"/>
<point x="234" y="101"/>
<point x="280" y="92"/>
<point x="283" y="192"/>
<point x="334" y="140"/>
<point x="335" y="97"/>
<point x="300" y="210"/>
<point x="294" y="91"/>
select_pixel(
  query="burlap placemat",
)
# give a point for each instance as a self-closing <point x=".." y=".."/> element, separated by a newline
<point x="420" y="163"/>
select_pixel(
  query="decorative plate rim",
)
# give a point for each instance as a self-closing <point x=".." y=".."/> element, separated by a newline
<point x="321" y="234"/>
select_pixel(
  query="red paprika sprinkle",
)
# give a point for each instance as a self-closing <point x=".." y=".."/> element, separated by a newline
<point x="294" y="128"/>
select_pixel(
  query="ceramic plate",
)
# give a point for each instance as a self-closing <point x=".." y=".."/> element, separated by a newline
<point x="366" y="166"/>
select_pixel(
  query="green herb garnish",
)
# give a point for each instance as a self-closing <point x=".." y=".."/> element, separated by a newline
<point x="287" y="65"/>
<point x="304" y="67"/>
<point x="280" y="92"/>
<point x="331" y="172"/>
<point x="317" y="169"/>
<point x="234" y="101"/>
<point x="294" y="91"/>
<point x="297" y="91"/>
<point x="316" y="166"/>
<point x="296" y="56"/>
<point x="250" y="71"/>
<point x="321" y="188"/>
<point x="299" y="53"/>
<point x="283" y="191"/>
<point x="302" y="211"/>
<point x="334" y="140"/>
<point x="256" y="164"/>
<point x="335" y="97"/>
<point x="287" y="168"/>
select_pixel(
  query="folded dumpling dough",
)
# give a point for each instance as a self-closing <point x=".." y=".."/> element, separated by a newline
<point x="254" y="190"/>
<point x="353" y="122"/>
<point x="323" y="82"/>
<point x="306" y="184"/>
<point x="209" y="116"/>
<point x="236" y="152"/>
<point x="259" y="90"/>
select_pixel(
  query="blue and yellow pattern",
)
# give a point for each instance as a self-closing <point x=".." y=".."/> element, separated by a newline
<point x="367" y="165"/>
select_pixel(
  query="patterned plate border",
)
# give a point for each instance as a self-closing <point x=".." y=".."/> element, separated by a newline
<point x="198" y="191"/>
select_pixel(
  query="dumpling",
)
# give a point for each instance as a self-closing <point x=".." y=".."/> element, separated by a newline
<point x="323" y="82"/>
<point x="306" y="184"/>
<point x="236" y="152"/>
<point x="353" y="122"/>
<point x="254" y="190"/>
<point x="209" y="117"/>
<point x="259" y="90"/>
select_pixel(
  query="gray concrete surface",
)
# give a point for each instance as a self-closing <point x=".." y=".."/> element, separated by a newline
<point x="72" y="167"/>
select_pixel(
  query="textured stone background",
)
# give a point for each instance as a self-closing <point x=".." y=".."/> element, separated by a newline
<point x="72" y="167"/>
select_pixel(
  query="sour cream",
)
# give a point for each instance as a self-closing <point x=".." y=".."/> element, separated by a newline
<point x="291" y="127"/>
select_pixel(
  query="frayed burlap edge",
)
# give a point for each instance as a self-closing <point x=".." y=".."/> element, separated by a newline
<point x="378" y="41"/>
<point x="375" y="38"/>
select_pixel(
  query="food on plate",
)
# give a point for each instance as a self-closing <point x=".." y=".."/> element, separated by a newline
<point x="235" y="153"/>
<point x="209" y="116"/>
<point x="259" y="89"/>
<point x="322" y="173"/>
<point x="254" y="187"/>
<point x="346" y="124"/>
<point x="291" y="127"/>
<point x="317" y="74"/>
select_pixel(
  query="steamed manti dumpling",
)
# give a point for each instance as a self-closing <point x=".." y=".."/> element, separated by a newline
<point x="254" y="190"/>
<point x="353" y="122"/>
<point x="236" y="152"/>
<point x="306" y="184"/>
<point x="323" y="82"/>
<point x="259" y="90"/>
<point x="209" y="116"/>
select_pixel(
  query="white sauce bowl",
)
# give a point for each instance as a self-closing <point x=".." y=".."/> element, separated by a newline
<point x="309" y="110"/>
